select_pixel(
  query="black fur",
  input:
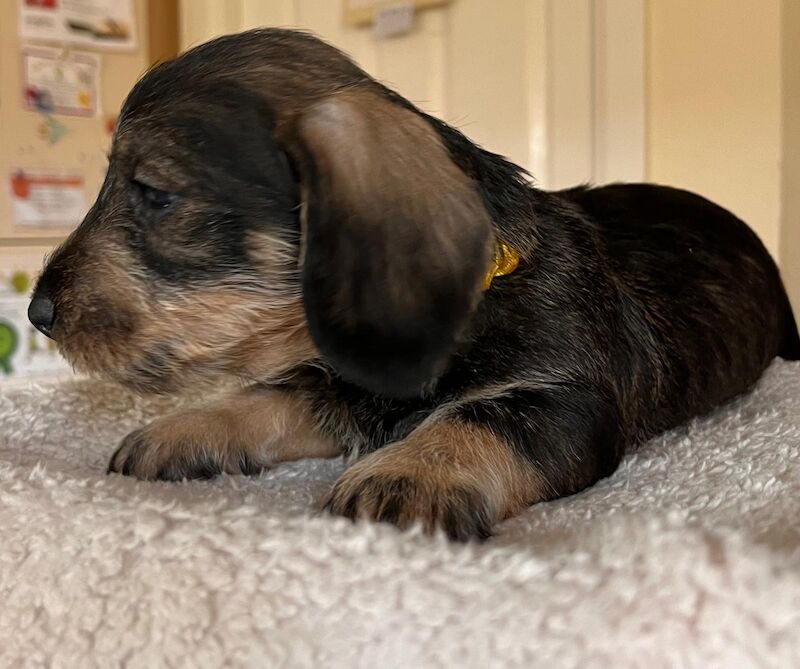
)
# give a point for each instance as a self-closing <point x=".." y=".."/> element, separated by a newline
<point x="644" y="306"/>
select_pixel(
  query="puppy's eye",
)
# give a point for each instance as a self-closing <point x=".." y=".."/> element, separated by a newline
<point x="153" y="198"/>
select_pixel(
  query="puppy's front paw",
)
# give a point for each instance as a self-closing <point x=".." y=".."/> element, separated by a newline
<point x="183" y="446"/>
<point x="397" y="490"/>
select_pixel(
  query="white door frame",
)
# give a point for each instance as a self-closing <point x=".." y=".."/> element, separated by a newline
<point x="620" y="90"/>
<point x="591" y="126"/>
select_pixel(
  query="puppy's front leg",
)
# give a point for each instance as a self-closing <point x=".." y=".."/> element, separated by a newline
<point x="245" y="433"/>
<point x="479" y="462"/>
<point x="450" y="474"/>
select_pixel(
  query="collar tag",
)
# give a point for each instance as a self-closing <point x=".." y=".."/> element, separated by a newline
<point x="504" y="261"/>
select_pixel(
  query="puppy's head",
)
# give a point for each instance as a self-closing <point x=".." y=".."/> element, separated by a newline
<point x="268" y="204"/>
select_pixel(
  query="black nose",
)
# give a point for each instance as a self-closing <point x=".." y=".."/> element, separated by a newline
<point x="42" y="313"/>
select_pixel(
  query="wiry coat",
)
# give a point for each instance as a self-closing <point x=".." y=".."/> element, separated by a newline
<point x="273" y="213"/>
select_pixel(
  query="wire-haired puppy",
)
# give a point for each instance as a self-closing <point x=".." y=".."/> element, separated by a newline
<point x="391" y="291"/>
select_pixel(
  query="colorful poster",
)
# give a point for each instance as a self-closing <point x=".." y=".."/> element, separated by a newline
<point x="61" y="83"/>
<point x="47" y="200"/>
<point x="101" y="24"/>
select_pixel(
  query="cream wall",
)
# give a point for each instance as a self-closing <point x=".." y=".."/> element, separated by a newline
<point x="714" y="104"/>
<point x="790" y="219"/>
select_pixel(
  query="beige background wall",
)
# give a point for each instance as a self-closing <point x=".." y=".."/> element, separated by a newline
<point x="724" y="112"/>
<point x="714" y="104"/>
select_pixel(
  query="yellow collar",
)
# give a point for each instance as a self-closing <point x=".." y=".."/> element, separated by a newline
<point x="504" y="261"/>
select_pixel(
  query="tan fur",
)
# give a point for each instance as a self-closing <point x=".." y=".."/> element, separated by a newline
<point x="270" y="351"/>
<point x="97" y="318"/>
<point x="108" y="326"/>
<point x="438" y="458"/>
<point x="265" y="426"/>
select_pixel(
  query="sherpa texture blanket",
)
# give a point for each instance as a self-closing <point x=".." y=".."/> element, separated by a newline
<point x="689" y="556"/>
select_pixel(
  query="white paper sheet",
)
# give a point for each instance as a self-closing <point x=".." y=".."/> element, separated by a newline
<point x="101" y="24"/>
<point x="46" y="200"/>
<point x="58" y="82"/>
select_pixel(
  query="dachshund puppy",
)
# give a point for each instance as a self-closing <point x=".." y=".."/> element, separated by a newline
<point x="387" y="290"/>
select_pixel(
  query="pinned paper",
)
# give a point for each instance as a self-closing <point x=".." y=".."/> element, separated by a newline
<point x="47" y="200"/>
<point x="61" y="82"/>
<point x="394" y="20"/>
<point x="108" y="24"/>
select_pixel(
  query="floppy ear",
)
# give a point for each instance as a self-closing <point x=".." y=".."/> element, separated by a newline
<point x="396" y="242"/>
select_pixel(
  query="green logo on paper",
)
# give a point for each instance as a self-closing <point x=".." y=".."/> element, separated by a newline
<point x="8" y="344"/>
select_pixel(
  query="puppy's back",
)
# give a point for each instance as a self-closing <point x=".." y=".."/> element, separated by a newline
<point x="707" y="288"/>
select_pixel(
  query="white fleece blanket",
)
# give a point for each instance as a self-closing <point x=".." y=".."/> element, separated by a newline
<point x="687" y="557"/>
